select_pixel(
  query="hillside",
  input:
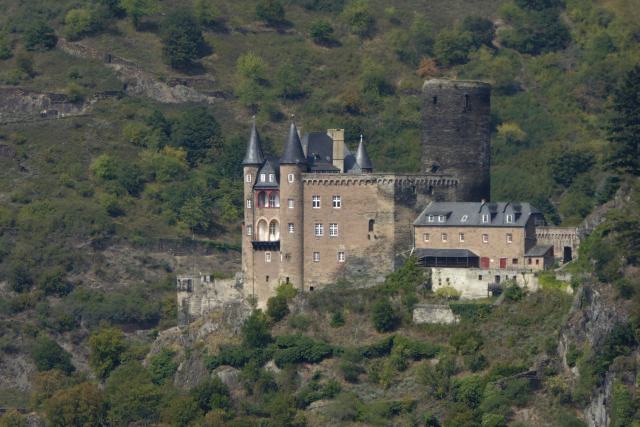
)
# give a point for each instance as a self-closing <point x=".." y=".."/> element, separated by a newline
<point x="122" y="129"/>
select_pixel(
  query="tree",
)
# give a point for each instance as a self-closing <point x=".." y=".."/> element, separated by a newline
<point x="624" y="126"/>
<point x="569" y="164"/>
<point x="78" y="22"/>
<point x="198" y="132"/>
<point x="47" y="355"/>
<point x="6" y="50"/>
<point x="255" y="330"/>
<point x="20" y="278"/>
<point x="207" y="13"/>
<point x="359" y="18"/>
<point x="39" y="36"/>
<point x="162" y="366"/>
<point x="481" y="29"/>
<point x="452" y="47"/>
<point x="136" y="9"/>
<point x="182" y="38"/>
<point x="270" y="11"/>
<point x="277" y="307"/>
<point x="80" y="405"/>
<point x="289" y="81"/>
<point x="106" y="346"/>
<point x="211" y="394"/>
<point x="132" y="395"/>
<point x="384" y="317"/>
<point x="321" y="32"/>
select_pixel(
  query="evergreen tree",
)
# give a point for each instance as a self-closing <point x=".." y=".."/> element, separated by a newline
<point x="624" y="128"/>
<point x="182" y="39"/>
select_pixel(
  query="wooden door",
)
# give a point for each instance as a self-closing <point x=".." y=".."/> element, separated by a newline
<point x="503" y="263"/>
<point x="484" y="262"/>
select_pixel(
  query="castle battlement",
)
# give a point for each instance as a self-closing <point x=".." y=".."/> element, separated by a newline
<point x="379" y="178"/>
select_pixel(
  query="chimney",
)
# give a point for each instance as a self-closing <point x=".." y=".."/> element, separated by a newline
<point x="337" y="135"/>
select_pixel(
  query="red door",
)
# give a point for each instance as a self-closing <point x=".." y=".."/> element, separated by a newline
<point x="484" y="262"/>
<point x="503" y="263"/>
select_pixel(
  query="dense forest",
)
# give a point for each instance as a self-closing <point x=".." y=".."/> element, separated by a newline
<point x="160" y="95"/>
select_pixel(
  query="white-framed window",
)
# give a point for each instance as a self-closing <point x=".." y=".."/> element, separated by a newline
<point x="315" y="202"/>
<point x="337" y="202"/>
<point x="274" y="200"/>
<point x="249" y="204"/>
<point x="509" y="218"/>
<point x="272" y="177"/>
<point x="316" y="257"/>
<point x="249" y="230"/>
<point x="290" y="203"/>
<point x="485" y="217"/>
<point x="444" y="237"/>
<point x="247" y="177"/>
<point x="267" y="257"/>
<point x="291" y="228"/>
<point x="291" y="177"/>
<point x="485" y="238"/>
<point x="464" y="218"/>
<point x="263" y="177"/>
<point x="426" y="237"/>
<point x="461" y="236"/>
<point x="441" y="218"/>
<point x="509" y="238"/>
<point x="430" y="218"/>
<point x="333" y="230"/>
<point x="318" y="230"/>
<point x="341" y="257"/>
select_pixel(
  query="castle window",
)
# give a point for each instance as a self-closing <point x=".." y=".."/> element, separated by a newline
<point x="466" y="102"/>
<point x="247" y="177"/>
<point x="262" y="199"/>
<point x="315" y="202"/>
<point x="290" y="203"/>
<point x="537" y="262"/>
<point x="509" y="219"/>
<point x="266" y="279"/>
<point x="444" y="237"/>
<point x="341" y="257"/>
<point x="485" y="217"/>
<point x="464" y="218"/>
<point x="263" y="177"/>
<point x="291" y="177"/>
<point x="274" y="231"/>
<point x="291" y="228"/>
<point x="262" y="231"/>
<point x="267" y="258"/>
<point x="249" y="230"/>
<point x="337" y="202"/>
<point x="425" y="237"/>
<point x="514" y="261"/>
<point x="333" y="230"/>
<point x="485" y="238"/>
<point x="372" y="223"/>
<point x="479" y="276"/>
<point x="435" y="100"/>
<point x="274" y="200"/>
<point x="441" y="218"/>
<point x="248" y="203"/>
<point x="462" y="237"/>
<point x="509" y="238"/>
<point x="430" y="218"/>
<point x="272" y="177"/>
<point x="319" y="230"/>
<point x="316" y="257"/>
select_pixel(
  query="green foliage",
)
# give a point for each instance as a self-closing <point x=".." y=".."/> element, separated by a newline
<point x="623" y="409"/>
<point x="211" y="394"/>
<point x="471" y="311"/>
<point x="292" y="349"/>
<point x="137" y="9"/>
<point x="286" y="291"/>
<point x="359" y="18"/>
<point x="302" y="322"/>
<point x="13" y="418"/>
<point x="79" y="405"/>
<point x="468" y="390"/>
<point x="384" y="316"/>
<point x="162" y="366"/>
<point x="106" y="346"/>
<point x="481" y="29"/>
<point x="448" y="292"/>
<point x="255" y="330"/>
<point x="207" y="13"/>
<point x="289" y="81"/>
<point x="623" y="127"/>
<point x="337" y="319"/>
<point x="513" y="292"/>
<point x="535" y="31"/>
<point x="54" y="282"/>
<point x="132" y="395"/>
<point x="466" y="341"/>
<point x="182" y="39"/>
<point x="277" y="308"/>
<point x="20" y="279"/>
<point x="182" y="411"/>
<point x="79" y="23"/>
<point x="379" y="349"/>
<point x="321" y="32"/>
<point x="452" y="47"/>
<point x="270" y="11"/>
<point x="413" y="43"/>
<point x="197" y="132"/>
<point x="47" y="355"/>
<point x="619" y="342"/>
<point x="39" y="36"/>
<point x="567" y="165"/>
<point x="437" y="378"/>
<point x="6" y="48"/>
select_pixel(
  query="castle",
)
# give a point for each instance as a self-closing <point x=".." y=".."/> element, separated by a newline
<point x="321" y="213"/>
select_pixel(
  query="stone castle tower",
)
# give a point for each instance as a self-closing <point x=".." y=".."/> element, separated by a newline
<point x="457" y="134"/>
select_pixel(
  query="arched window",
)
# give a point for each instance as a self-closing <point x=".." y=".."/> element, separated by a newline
<point x="274" y="200"/>
<point x="372" y="223"/>
<point x="274" y="231"/>
<point x="262" y="231"/>
<point x="262" y="199"/>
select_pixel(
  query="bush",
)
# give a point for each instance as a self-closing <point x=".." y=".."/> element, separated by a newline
<point x="270" y="11"/>
<point x="6" y="49"/>
<point x="79" y="405"/>
<point x="448" y="292"/>
<point x="380" y="349"/>
<point x="277" y="308"/>
<point x="53" y="282"/>
<point x="293" y="349"/>
<point x="132" y="396"/>
<point x="181" y="411"/>
<point x="78" y="23"/>
<point x="337" y="319"/>
<point x="47" y="355"/>
<point x="255" y="330"/>
<point x="468" y="390"/>
<point x="513" y="292"/>
<point x="359" y="19"/>
<point x="106" y="347"/>
<point x="452" y="47"/>
<point x="20" y="279"/>
<point x="207" y="13"/>
<point x="211" y="394"/>
<point x="39" y="36"/>
<point x="182" y="39"/>
<point x="162" y="366"/>
<point x="481" y="29"/>
<point x="567" y="165"/>
<point x="321" y="32"/>
<point x="384" y="317"/>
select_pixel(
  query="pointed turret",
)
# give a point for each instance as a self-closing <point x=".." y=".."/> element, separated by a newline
<point x="254" y="154"/>
<point x="362" y="158"/>
<point x="293" y="153"/>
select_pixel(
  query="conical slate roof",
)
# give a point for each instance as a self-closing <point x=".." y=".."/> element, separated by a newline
<point x="362" y="157"/>
<point x="254" y="154"/>
<point x="293" y="153"/>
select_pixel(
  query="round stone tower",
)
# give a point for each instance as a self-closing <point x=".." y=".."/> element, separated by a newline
<point x="456" y="134"/>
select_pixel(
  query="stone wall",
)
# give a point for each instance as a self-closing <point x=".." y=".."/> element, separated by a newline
<point x="434" y="314"/>
<point x="560" y="238"/>
<point x="18" y="105"/>
<point x="202" y="294"/>
<point x="475" y="283"/>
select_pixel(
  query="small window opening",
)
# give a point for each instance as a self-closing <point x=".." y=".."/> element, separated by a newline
<point x="311" y="288"/>
<point x="435" y="100"/>
<point x="466" y="102"/>
<point x="287" y="280"/>
<point x="372" y="223"/>
<point x="267" y="279"/>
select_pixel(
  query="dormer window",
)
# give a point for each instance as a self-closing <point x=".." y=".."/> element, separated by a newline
<point x="263" y="177"/>
<point x="509" y="219"/>
<point x="464" y="218"/>
<point x="430" y="218"/>
<point x="485" y="218"/>
<point x="441" y="218"/>
<point x="271" y="177"/>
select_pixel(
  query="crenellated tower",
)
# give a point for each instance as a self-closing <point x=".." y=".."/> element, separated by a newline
<point x="292" y="164"/>
<point x="253" y="160"/>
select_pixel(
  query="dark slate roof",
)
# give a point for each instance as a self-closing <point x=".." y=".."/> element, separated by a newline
<point x="469" y="214"/>
<point x="444" y="253"/>
<point x="318" y="147"/>
<point x="271" y="166"/>
<point x="362" y="157"/>
<point x="539" y="250"/>
<point x="293" y="153"/>
<point x="323" y="167"/>
<point x="254" y="154"/>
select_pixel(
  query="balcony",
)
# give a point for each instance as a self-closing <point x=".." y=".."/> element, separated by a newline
<point x="260" y="245"/>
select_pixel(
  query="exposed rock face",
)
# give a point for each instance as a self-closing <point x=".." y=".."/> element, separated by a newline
<point x="434" y="313"/>
<point x="20" y="104"/>
<point x="191" y="371"/>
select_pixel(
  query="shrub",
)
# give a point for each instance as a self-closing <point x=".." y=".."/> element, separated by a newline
<point x="300" y="322"/>
<point x="207" y="13"/>
<point x="287" y="291"/>
<point x="513" y="292"/>
<point x="448" y="292"/>
<point x="6" y="49"/>
<point x="466" y="341"/>
<point x="137" y="9"/>
<point x="78" y="22"/>
<point x="211" y="394"/>
<point x="384" y="317"/>
<point x="359" y="18"/>
<point x="481" y="29"/>
<point x="351" y="371"/>
<point x="39" y="36"/>
<point x="567" y="165"/>
<point x="293" y="349"/>
<point x="79" y="405"/>
<point x="106" y="347"/>
<point x="162" y="366"/>
<point x="471" y="311"/>
<point x="53" y="282"/>
<point x="182" y="39"/>
<point x="47" y="355"/>
<point x="181" y="411"/>
<point x="270" y="11"/>
<point x="132" y="396"/>
<point x="20" y="278"/>
<point x="452" y="47"/>
<point x="277" y="308"/>
<point x="468" y="390"/>
<point x="321" y="32"/>
<point x="337" y="319"/>
<point x="255" y="330"/>
<point x="379" y="349"/>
